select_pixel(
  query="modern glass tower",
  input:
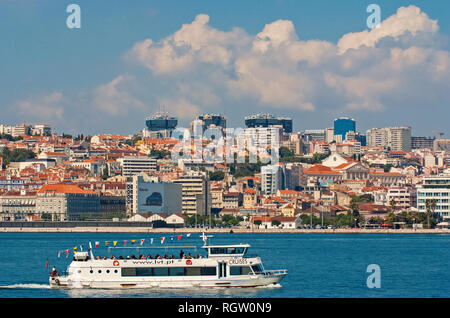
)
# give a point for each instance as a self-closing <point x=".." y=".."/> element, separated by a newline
<point x="343" y="125"/>
<point x="267" y="120"/>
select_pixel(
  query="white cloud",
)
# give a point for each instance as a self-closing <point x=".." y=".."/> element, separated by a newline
<point x="201" y="68"/>
<point x="407" y="19"/>
<point x="45" y="107"/>
<point x="113" y="98"/>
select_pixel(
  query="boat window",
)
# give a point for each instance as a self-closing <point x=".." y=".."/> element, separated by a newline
<point x="257" y="268"/>
<point x="193" y="271"/>
<point x="227" y="250"/>
<point x="128" y="271"/>
<point x="144" y="271"/>
<point x="208" y="271"/>
<point x="169" y="271"/>
<point x="176" y="271"/>
<point x="240" y="270"/>
<point x="160" y="271"/>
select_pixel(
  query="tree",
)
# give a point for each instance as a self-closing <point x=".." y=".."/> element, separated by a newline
<point x="217" y="175"/>
<point x="257" y="222"/>
<point x="16" y="155"/>
<point x="392" y="203"/>
<point x="276" y="223"/>
<point x="105" y="174"/>
<point x="430" y="205"/>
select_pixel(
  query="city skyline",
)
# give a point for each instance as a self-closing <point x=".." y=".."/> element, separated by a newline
<point x="285" y="58"/>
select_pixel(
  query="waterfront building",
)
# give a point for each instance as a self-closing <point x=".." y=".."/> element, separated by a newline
<point x="150" y="196"/>
<point x="437" y="188"/>
<point x="16" y="205"/>
<point x="403" y="197"/>
<point x="66" y="202"/>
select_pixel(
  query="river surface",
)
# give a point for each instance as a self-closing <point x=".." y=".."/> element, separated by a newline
<point x="319" y="265"/>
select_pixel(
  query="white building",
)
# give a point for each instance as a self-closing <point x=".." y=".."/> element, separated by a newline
<point x="435" y="188"/>
<point x="403" y="197"/>
<point x="132" y="165"/>
<point x="393" y="138"/>
<point x="271" y="179"/>
<point x="147" y="195"/>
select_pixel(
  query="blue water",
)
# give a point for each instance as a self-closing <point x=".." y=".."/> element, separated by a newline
<point x="319" y="265"/>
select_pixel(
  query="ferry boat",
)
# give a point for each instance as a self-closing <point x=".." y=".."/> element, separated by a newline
<point x="224" y="266"/>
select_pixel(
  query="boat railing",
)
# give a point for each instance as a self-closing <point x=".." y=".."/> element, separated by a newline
<point x="272" y="272"/>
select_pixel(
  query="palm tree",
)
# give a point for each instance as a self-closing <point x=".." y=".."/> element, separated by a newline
<point x="430" y="205"/>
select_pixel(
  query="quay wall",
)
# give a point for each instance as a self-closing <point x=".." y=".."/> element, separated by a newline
<point x="145" y="228"/>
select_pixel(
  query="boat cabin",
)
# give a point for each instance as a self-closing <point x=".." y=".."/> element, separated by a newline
<point x="226" y="250"/>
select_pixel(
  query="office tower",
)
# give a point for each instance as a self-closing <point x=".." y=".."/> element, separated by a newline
<point x="266" y="120"/>
<point x="343" y="125"/>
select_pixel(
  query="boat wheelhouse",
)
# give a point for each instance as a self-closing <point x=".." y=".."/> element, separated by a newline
<point x="224" y="266"/>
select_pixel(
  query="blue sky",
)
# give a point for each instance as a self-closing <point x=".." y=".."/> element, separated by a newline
<point x="77" y="72"/>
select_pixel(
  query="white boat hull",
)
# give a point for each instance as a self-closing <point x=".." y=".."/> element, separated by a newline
<point x="250" y="281"/>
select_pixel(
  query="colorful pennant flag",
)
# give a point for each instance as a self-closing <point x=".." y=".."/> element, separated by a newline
<point x="106" y="243"/>
<point x="114" y="243"/>
<point x="46" y="263"/>
<point x="189" y="234"/>
<point x="125" y="243"/>
<point x="59" y="254"/>
<point x="151" y="241"/>
<point x="96" y="244"/>
<point x="142" y="241"/>
<point x="132" y="241"/>
<point x="162" y="240"/>
<point x="67" y="253"/>
<point x="179" y="237"/>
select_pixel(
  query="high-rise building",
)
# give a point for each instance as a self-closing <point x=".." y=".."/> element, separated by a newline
<point x="392" y="138"/>
<point x="213" y="121"/>
<point x="422" y="142"/>
<point x="343" y="125"/>
<point x="267" y="120"/>
<point x="271" y="179"/>
<point x="196" y="194"/>
<point x="315" y="134"/>
<point x="160" y="126"/>
<point x="264" y="136"/>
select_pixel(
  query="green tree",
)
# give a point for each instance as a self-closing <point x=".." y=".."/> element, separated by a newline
<point x="275" y="223"/>
<point x="217" y="175"/>
<point x="430" y="205"/>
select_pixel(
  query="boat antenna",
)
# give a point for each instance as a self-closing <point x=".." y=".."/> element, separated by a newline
<point x="90" y="250"/>
<point x="205" y="238"/>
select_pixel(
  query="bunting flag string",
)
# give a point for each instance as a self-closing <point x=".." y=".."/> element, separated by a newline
<point x="125" y="242"/>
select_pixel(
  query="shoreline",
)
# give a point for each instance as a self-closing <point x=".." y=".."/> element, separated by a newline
<point x="189" y="230"/>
